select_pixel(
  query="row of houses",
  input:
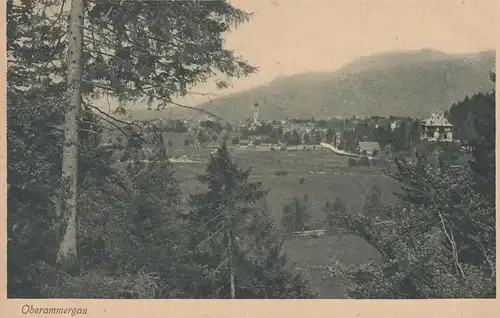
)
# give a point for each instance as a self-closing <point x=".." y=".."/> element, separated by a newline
<point x="434" y="128"/>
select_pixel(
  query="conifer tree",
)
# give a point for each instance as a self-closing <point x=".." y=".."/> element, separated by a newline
<point x="234" y="239"/>
<point x="373" y="204"/>
<point x="296" y="215"/>
<point x="129" y="50"/>
<point x="330" y="134"/>
<point x="333" y="211"/>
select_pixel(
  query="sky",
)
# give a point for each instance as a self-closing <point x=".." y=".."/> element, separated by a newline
<point x="287" y="37"/>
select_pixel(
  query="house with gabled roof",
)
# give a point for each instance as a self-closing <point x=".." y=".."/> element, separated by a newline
<point x="436" y="128"/>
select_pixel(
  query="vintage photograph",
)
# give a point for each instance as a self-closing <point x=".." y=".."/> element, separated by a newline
<point x="264" y="149"/>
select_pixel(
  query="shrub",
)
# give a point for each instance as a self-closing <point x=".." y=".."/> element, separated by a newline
<point x="351" y="162"/>
<point x="364" y="161"/>
<point x="281" y="173"/>
<point x="359" y="162"/>
<point x="332" y="212"/>
<point x="376" y="162"/>
<point x="296" y="215"/>
<point x="373" y="203"/>
<point x="98" y="284"/>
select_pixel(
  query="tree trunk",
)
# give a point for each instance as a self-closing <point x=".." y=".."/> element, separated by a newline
<point x="69" y="188"/>
<point x="231" y="265"/>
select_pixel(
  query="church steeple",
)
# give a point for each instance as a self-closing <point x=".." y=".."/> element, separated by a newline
<point x="255" y="112"/>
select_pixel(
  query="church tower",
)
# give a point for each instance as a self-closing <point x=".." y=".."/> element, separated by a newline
<point x="255" y="113"/>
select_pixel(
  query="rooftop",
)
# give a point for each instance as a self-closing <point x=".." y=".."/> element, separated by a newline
<point x="437" y="120"/>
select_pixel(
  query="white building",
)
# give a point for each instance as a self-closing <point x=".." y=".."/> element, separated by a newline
<point x="436" y="128"/>
<point x="255" y="113"/>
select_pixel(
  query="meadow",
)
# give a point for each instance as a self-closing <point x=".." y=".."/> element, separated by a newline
<point x="326" y="176"/>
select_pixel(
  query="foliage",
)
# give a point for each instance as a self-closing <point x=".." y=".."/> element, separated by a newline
<point x="461" y="115"/>
<point x="355" y="162"/>
<point x="406" y="134"/>
<point x="318" y="137"/>
<point x="202" y="137"/>
<point x="296" y="215"/>
<point x="97" y="284"/>
<point x="332" y="210"/>
<point x="483" y="149"/>
<point x="212" y="126"/>
<point x="275" y="272"/>
<point x="174" y="125"/>
<point x="434" y="242"/>
<point x="438" y="241"/>
<point x="373" y="203"/>
<point x="294" y="138"/>
<point x="281" y="173"/>
<point x="330" y="135"/>
<point x="159" y="48"/>
<point x="128" y="221"/>
<point x="383" y="135"/>
<point x="307" y="138"/>
<point x="33" y="143"/>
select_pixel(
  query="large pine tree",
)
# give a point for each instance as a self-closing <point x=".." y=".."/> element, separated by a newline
<point x="131" y="50"/>
<point x="234" y="239"/>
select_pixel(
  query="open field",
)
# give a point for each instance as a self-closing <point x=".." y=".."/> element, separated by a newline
<point x="326" y="176"/>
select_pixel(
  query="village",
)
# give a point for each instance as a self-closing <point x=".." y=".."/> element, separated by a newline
<point x="355" y="137"/>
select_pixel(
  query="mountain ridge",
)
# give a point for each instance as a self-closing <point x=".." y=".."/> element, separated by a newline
<point x="400" y="83"/>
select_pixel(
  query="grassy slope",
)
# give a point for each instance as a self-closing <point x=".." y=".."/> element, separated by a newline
<point x="412" y="84"/>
